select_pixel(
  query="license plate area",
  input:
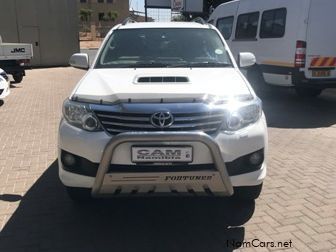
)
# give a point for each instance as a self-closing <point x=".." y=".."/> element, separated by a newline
<point x="321" y="73"/>
<point x="162" y="154"/>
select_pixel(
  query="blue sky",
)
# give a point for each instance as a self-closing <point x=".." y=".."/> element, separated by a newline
<point x="137" y="5"/>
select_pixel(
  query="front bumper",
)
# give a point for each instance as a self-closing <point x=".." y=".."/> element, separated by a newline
<point x="216" y="182"/>
<point x="100" y="148"/>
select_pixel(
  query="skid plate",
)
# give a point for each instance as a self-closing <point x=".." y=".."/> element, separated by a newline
<point x="199" y="182"/>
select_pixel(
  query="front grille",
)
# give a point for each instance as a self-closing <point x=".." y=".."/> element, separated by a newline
<point x="119" y="122"/>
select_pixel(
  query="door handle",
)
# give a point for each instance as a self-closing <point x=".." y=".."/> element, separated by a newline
<point x="36" y="43"/>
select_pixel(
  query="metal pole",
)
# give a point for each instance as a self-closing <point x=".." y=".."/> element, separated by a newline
<point x="146" y="10"/>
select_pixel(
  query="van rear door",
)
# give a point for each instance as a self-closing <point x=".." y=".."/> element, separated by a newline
<point x="321" y="40"/>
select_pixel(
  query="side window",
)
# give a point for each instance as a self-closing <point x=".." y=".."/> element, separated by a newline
<point x="273" y="23"/>
<point x="224" y="25"/>
<point x="247" y="25"/>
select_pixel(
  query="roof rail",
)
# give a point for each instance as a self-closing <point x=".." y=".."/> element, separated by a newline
<point x="199" y="20"/>
<point x="128" y="20"/>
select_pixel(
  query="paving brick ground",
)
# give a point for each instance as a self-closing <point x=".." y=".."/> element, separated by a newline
<point x="297" y="205"/>
<point x="90" y="44"/>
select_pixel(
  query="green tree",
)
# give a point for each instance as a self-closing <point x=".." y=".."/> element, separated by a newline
<point x="112" y="15"/>
<point x="85" y="14"/>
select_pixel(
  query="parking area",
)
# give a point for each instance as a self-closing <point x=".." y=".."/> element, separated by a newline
<point x="297" y="207"/>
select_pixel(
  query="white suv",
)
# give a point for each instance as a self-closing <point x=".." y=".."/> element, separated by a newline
<point x="4" y="85"/>
<point x="163" y="110"/>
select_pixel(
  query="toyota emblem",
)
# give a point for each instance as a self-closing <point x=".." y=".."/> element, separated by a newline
<point x="162" y="119"/>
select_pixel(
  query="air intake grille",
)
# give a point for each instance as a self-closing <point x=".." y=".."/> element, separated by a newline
<point x="118" y="122"/>
<point x="165" y="79"/>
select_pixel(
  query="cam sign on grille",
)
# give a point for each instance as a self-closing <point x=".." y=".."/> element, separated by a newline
<point x="161" y="154"/>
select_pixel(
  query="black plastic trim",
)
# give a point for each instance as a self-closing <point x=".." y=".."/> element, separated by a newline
<point x="277" y="69"/>
<point x="161" y="168"/>
<point x="82" y="166"/>
<point x="242" y="165"/>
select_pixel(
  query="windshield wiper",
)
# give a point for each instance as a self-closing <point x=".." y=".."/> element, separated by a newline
<point x="202" y="64"/>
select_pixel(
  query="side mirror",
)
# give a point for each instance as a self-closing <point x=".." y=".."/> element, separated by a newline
<point x="246" y="59"/>
<point x="79" y="60"/>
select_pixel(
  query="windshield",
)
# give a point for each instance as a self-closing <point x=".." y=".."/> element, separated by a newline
<point x="164" y="47"/>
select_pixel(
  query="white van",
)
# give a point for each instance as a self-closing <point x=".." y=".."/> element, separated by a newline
<point x="294" y="41"/>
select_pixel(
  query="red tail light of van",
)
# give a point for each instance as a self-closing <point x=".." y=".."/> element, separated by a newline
<point x="300" y="53"/>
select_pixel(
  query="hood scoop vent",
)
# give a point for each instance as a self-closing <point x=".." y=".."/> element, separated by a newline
<point x="163" y="79"/>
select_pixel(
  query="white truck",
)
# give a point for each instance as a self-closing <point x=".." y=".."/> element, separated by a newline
<point x="163" y="110"/>
<point x="293" y="41"/>
<point x="15" y="58"/>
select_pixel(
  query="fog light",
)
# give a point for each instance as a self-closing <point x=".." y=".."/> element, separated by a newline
<point x="69" y="160"/>
<point x="90" y="122"/>
<point x="256" y="158"/>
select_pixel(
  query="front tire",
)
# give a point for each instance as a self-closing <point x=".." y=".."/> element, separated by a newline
<point x="78" y="194"/>
<point x="247" y="192"/>
<point x="308" y="92"/>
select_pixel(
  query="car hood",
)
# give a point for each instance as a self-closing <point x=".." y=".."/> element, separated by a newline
<point x="117" y="85"/>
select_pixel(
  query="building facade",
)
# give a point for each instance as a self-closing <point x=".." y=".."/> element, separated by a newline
<point x="51" y="26"/>
<point x="113" y="11"/>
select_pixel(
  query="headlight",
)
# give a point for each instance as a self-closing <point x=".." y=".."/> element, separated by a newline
<point x="241" y="115"/>
<point x="80" y="115"/>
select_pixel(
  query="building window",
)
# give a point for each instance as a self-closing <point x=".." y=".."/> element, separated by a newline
<point x="224" y="25"/>
<point x="101" y="16"/>
<point x="273" y="23"/>
<point x="100" y="1"/>
<point x="247" y="26"/>
<point x="109" y="1"/>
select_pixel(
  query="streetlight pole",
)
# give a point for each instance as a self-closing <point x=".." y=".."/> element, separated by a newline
<point x="146" y="10"/>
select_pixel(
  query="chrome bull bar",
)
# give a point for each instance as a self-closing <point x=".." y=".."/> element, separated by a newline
<point x="145" y="137"/>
